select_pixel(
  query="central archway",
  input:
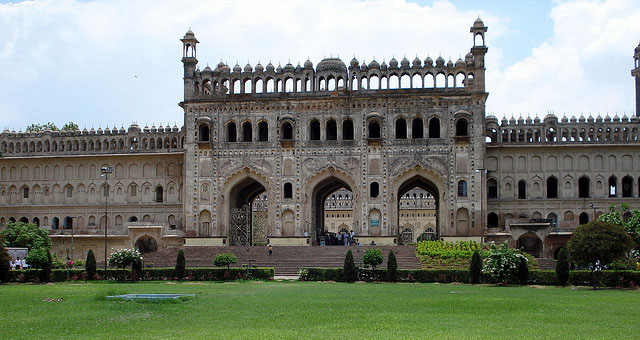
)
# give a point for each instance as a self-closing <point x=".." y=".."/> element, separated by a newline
<point x="242" y="214"/>
<point x="530" y="243"/>
<point x="417" y="210"/>
<point x="320" y="193"/>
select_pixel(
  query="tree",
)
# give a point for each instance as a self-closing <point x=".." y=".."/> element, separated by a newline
<point x="90" y="265"/>
<point x="29" y="235"/>
<point x="372" y="257"/>
<point x="597" y="244"/>
<point x="475" y="268"/>
<point x="392" y="267"/>
<point x="349" y="271"/>
<point x="523" y="271"/>
<point x="124" y="257"/>
<point x="562" y="268"/>
<point x="623" y="216"/>
<point x="5" y="263"/>
<point x="70" y="126"/>
<point x="180" y="265"/>
<point x="41" y="127"/>
<point x="40" y="258"/>
<point x="225" y="259"/>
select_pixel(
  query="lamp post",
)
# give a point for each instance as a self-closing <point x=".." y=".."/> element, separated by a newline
<point x="106" y="170"/>
<point x="482" y="198"/>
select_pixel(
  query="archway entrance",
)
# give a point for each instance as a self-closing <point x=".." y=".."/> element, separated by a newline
<point x="146" y="244"/>
<point x="323" y="190"/>
<point x="338" y="217"/>
<point x="248" y="215"/>
<point x="418" y="214"/>
<point x="530" y="243"/>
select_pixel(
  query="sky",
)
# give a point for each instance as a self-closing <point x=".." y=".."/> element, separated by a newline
<point x="114" y="62"/>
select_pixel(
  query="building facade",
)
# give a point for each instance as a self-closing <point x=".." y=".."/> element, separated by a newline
<point x="263" y="149"/>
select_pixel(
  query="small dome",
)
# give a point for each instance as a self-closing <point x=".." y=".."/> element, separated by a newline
<point x="237" y="68"/>
<point x="270" y="67"/>
<point x="460" y="63"/>
<point x="259" y="68"/>
<point x="450" y="64"/>
<point x="207" y="70"/>
<point x="167" y="128"/>
<point x="520" y="120"/>
<point x="279" y="68"/>
<point x="384" y="66"/>
<point x="536" y="120"/>
<point x="331" y="65"/>
<point x="364" y="66"/>
<point x="308" y="64"/>
<point x="248" y="68"/>
<point x="478" y="23"/>
<point x="133" y="128"/>
<point x="428" y="62"/>
<point x="175" y="128"/>
<point x="288" y="68"/>
<point x="85" y="131"/>
<point x="599" y="119"/>
<point x="374" y="65"/>
<point x="634" y="119"/>
<point x="625" y="118"/>
<point x="440" y="61"/>
<point x="550" y="117"/>
<point x="225" y="69"/>
<point x="469" y="57"/>
<point x="616" y="118"/>
<point x="107" y="131"/>
<point x="393" y="63"/>
<point x="221" y="65"/>
<point x="565" y="119"/>
<point x="528" y="120"/>
<point x="146" y="129"/>
<point x="491" y="119"/>
<point x="100" y="131"/>
<point x="573" y="119"/>
<point x="590" y="119"/>
<point x="354" y="62"/>
<point x="582" y="119"/>
<point x="512" y="121"/>
<point x="504" y="121"/>
<point x="122" y="130"/>
<point x="417" y="62"/>
<point x="607" y="119"/>
<point x="405" y="62"/>
<point x="298" y="68"/>
<point x="92" y="131"/>
<point x="153" y="129"/>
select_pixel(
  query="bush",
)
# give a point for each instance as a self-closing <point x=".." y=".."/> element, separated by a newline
<point x="475" y="269"/>
<point x="29" y="235"/>
<point x="404" y="275"/>
<point x="502" y="263"/>
<point x="392" y="267"/>
<point x="180" y="265"/>
<point x="523" y="271"/>
<point x="124" y="257"/>
<point x="136" y="265"/>
<point x="40" y="258"/>
<point x="349" y="271"/>
<point x="90" y="265"/>
<point x="562" y="268"/>
<point x="225" y="259"/>
<point x="372" y="257"/>
<point x="446" y="250"/>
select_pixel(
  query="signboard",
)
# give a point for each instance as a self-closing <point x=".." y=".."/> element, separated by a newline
<point x="375" y="223"/>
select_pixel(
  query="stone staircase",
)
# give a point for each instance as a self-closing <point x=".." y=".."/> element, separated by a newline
<point x="547" y="263"/>
<point x="287" y="260"/>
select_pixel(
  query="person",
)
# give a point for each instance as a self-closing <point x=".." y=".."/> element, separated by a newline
<point x="346" y="239"/>
<point x="270" y="249"/>
<point x="339" y="238"/>
<point x="353" y="237"/>
<point x="18" y="264"/>
<point x="23" y="264"/>
<point x="12" y="264"/>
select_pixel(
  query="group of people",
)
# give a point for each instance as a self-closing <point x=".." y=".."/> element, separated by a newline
<point x="18" y="264"/>
<point x="346" y="238"/>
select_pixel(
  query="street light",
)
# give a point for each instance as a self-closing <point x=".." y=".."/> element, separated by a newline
<point x="106" y="170"/>
<point x="482" y="198"/>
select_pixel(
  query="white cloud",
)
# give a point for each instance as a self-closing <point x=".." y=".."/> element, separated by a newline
<point x="585" y="67"/>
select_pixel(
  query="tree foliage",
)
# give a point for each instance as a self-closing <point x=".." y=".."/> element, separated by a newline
<point x="70" y="126"/>
<point x="372" y="257"/>
<point x="523" y="271"/>
<point x="40" y="258"/>
<point x="90" y="265"/>
<point x="475" y="268"/>
<point x="598" y="243"/>
<point x="180" y="265"/>
<point x="349" y="271"/>
<point x="562" y="268"/>
<point x="502" y="263"/>
<point x="225" y="259"/>
<point x="623" y="216"/>
<point x="29" y="235"/>
<point x="124" y="257"/>
<point x="392" y="267"/>
<point x="5" y="263"/>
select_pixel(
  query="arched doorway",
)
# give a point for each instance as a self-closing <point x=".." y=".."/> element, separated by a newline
<point x="146" y="244"/>
<point x="338" y="216"/>
<point x="324" y="189"/>
<point x="417" y="206"/>
<point x="248" y="203"/>
<point x="530" y="243"/>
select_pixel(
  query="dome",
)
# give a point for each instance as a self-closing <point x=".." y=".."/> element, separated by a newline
<point x="550" y="117"/>
<point x="520" y="120"/>
<point x="404" y="62"/>
<point x="393" y="63"/>
<point x="616" y="118"/>
<point x="491" y="119"/>
<point x="308" y="64"/>
<point x="599" y="119"/>
<point x="607" y="119"/>
<point x="417" y="62"/>
<point x="133" y="128"/>
<point x="590" y="119"/>
<point x="298" y="68"/>
<point x="167" y="128"/>
<point x="512" y="121"/>
<point x="207" y="70"/>
<point x="504" y="121"/>
<point x="440" y="61"/>
<point x="331" y="65"/>
<point x="450" y="64"/>
<point x="248" y="68"/>
<point x="221" y="65"/>
<point x="634" y="119"/>
<point x="428" y="62"/>
<point x="354" y="62"/>
<point x="478" y="23"/>
<point x="528" y="120"/>
<point x="384" y="66"/>
<point x="364" y="66"/>
<point x="582" y="119"/>
<point x="175" y="128"/>
<point x="625" y="118"/>
<point x="536" y="120"/>
<point x="460" y="63"/>
<point x="237" y="68"/>
<point x="153" y="129"/>
<point x="146" y="129"/>
<point x="270" y="67"/>
<point x="107" y="131"/>
<point x="279" y="68"/>
<point x="374" y="65"/>
<point x="565" y="119"/>
<point x="225" y="68"/>
<point x="573" y="119"/>
<point x="92" y="131"/>
<point x="259" y="68"/>
<point x="288" y="68"/>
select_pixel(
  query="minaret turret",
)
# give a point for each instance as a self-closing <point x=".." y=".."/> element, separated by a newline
<point x="189" y="60"/>
<point x="478" y="51"/>
<point x="636" y="74"/>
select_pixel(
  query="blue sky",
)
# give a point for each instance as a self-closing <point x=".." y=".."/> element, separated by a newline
<point x="112" y="62"/>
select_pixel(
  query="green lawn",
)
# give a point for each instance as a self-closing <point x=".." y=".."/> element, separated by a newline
<point x="277" y="310"/>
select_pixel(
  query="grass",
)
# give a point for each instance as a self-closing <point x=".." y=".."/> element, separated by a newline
<point x="315" y="310"/>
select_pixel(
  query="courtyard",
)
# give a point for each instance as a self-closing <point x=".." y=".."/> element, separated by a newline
<point x="318" y="310"/>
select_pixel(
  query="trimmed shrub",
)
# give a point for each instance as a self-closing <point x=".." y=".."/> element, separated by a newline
<point x="392" y="267"/>
<point x="523" y="271"/>
<point x="225" y="259"/>
<point x="372" y="275"/>
<point x="475" y="269"/>
<point x="562" y="268"/>
<point x="180" y="265"/>
<point x="90" y="265"/>
<point x="124" y="257"/>
<point x="372" y="257"/>
<point x="349" y="271"/>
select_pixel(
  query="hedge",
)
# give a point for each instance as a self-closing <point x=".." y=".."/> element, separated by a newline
<point x="610" y="278"/>
<point x="151" y="274"/>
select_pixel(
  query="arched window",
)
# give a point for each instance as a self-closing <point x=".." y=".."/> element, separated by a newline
<point x="554" y="219"/>
<point x="462" y="127"/>
<point x="55" y="223"/>
<point x="247" y="132"/>
<point x="374" y="189"/>
<point x="287" y="131"/>
<point x="232" y="133"/>
<point x="583" y="187"/>
<point x="314" y="130"/>
<point x="288" y="190"/>
<point x="492" y="220"/>
<point x="374" y="129"/>
<point x="434" y="128"/>
<point x="552" y="187"/>
<point x="522" y="189"/>
<point x="159" y="194"/>
<point x="401" y="128"/>
<point x="613" y="186"/>
<point x="36" y="221"/>
<point x="67" y="223"/>
<point x="417" y="128"/>
<point x="263" y="131"/>
<point x="203" y="133"/>
<point x="133" y="219"/>
<point x="332" y="130"/>
<point x="347" y="129"/>
<point x="492" y="188"/>
<point x="462" y="188"/>
<point x="583" y="218"/>
<point x="627" y="186"/>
